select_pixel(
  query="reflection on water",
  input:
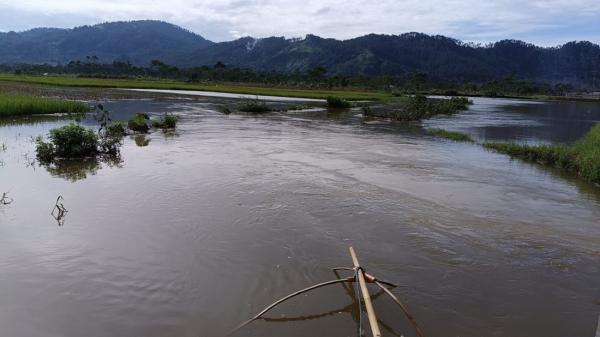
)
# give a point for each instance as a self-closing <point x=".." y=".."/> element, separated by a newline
<point x="141" y="140"/>
<point x="79" y="169"/>
<point x="196" y="233"/>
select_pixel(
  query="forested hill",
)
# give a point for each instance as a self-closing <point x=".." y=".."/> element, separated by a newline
<point x="138" y="42"/>
<point x="439" y="57"/>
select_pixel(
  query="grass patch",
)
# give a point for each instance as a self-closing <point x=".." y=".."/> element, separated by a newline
<point x="20" y="105"/>
<point x="254" y="106"/>
<point x="68" y="81"/>
<point x="138" y="123"/>
<point x="168" y="121"/>
<point x="582" y="158"/>
<point x="337" y="103"/>
<point x="451" y="135"/>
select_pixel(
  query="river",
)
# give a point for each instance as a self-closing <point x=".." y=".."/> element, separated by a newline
<point x="198" y="230"/>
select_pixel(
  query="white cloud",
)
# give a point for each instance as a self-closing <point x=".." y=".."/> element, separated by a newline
<point x="478" y="20"/>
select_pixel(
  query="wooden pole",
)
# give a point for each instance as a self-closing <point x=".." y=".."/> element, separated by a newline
<point x="598" y="328"/>
<point x="366" y="297"/>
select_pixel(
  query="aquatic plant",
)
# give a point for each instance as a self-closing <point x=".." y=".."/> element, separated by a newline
<point x="582" y="158"/>
<point x="452" y="135"/>
<point x="139" y="123"/>
<point x="337" y="103"/>
<point x="17" y="104"/>
<point x="295" y="107"/>
<point x="254" y="106"/>
<point x="116" y="129"/>
<point x="168" y="121"/>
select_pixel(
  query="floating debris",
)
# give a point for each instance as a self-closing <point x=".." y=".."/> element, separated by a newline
<point x="59" y="211"/>
<point x="6" y="200"/>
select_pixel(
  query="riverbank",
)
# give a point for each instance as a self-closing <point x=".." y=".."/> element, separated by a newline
<point x="582" y="158"/>
<point x="68" y="81"/>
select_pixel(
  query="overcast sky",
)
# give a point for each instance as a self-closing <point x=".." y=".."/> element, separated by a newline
<point x="543" y="22"/>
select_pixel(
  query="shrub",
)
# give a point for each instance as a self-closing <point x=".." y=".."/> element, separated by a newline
<point x="139" y="123"/>
<point x="337" y="103"/>
<point x="254" y="106"/>
<point x="44" y="150"/>
<point x="74" y="141"/>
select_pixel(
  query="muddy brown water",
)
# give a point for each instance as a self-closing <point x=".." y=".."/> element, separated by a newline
<point x="197" y="230"/>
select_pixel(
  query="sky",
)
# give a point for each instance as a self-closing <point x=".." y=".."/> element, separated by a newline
<point x="542" y="22"/>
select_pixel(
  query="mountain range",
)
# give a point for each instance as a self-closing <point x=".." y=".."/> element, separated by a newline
<point x="440" y="57"/>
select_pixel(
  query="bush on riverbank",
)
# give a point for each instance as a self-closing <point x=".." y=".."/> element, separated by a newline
<point x="16" y="104"/>
<point x="582" y="158"/>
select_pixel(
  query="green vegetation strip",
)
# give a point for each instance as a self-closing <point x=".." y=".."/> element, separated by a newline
<point x="20" y="105"/>
<point x="582" y="158"/>
<point x="174" y="85"/>
<point x="455" y="136"/>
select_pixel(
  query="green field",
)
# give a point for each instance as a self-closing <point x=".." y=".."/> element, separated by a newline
<point x="174" y="85"/>
<point x="19" y="105"/>
<point x="582" y="158"/>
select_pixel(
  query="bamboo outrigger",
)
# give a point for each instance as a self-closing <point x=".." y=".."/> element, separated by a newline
<point x="361" y="278"/>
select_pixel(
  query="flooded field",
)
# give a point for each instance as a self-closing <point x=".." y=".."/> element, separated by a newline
<point x="195" y="231"/>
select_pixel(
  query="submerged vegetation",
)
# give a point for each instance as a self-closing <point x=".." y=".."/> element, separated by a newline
<point x="417" y="107"/>
<point x="254" y="106"/>
<point x="19" y="105"/>
<point x="451" y="135"/>
<point x="582" y="158"/>
<point x="337" y="103"/>
<point x="168" y="121"/>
